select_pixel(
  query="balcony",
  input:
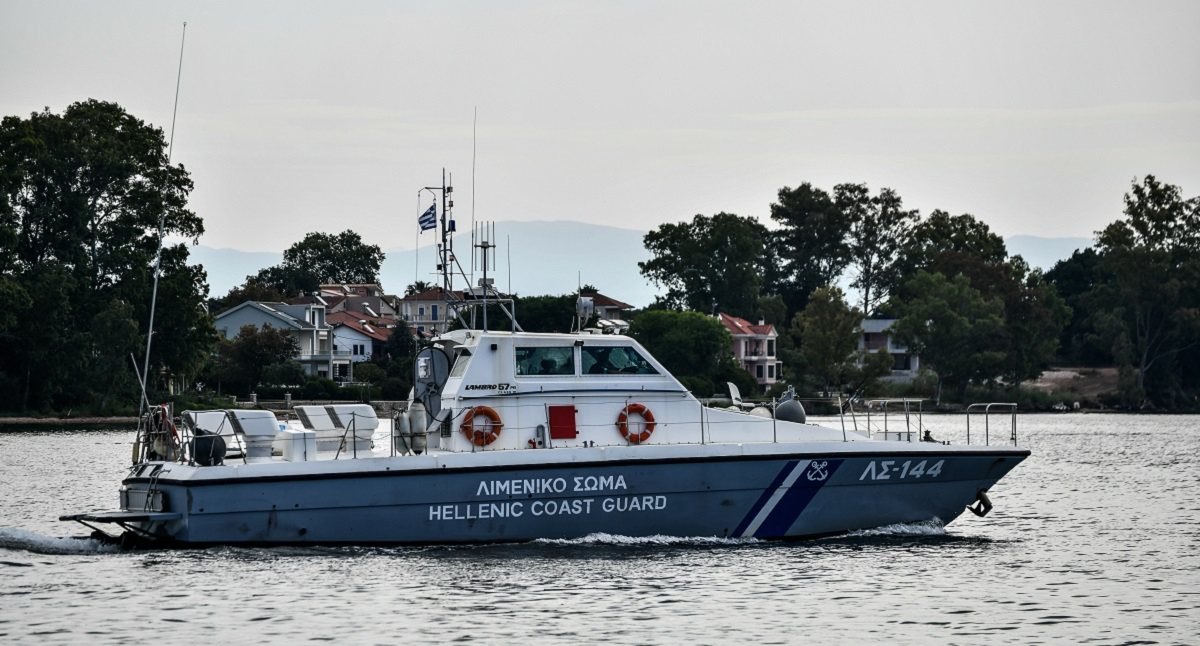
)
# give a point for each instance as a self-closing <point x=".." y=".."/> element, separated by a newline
<point x="324" y="356"/>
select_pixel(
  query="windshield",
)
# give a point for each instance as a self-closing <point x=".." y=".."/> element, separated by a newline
<point x="618" y="360"/>
<point x="537" y="362"/>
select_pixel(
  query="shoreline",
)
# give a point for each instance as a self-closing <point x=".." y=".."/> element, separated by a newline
<point x="65" y="421"/>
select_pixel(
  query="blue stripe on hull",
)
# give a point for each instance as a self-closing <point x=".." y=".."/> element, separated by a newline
<point x="795" y="500"/>
<point x="765" y="498"/>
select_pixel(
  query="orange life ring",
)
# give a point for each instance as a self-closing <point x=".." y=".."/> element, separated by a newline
<point x="491" y="430"/>
<point x="623" y="423"/>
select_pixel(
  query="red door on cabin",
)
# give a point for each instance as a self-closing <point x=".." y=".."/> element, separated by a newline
<point x="562" y="423"/>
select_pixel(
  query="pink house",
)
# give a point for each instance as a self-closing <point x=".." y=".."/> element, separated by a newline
<point x="754" y="348"/>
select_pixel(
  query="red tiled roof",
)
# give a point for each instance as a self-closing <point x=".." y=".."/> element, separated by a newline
<point x="600" y="300"/>
<point x="742" y="327"/>
<point x="352" y="321"/>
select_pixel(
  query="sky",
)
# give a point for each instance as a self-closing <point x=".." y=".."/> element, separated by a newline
<point x="296" y="117"/>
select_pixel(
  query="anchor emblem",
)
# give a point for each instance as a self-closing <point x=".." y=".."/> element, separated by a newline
<point x="816" y="471"/>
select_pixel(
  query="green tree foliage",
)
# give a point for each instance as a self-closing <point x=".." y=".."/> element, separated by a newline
<point x="284" y="373"/>
<point x="243" y="360"/>
<point x="418" y="287"/>
<point x="827" y="333"/>
<point x="322" y="259"/>
<point x="1033" y="314"/>
<point x="81" y="195"/>
<point x="951" y="245"/>
<point x="711" y="264"/>
<point x="879" y="229"/>
<point x="252" y="290"/>
<point x="1075" y="278"/>
<point x="399" y="351"/>
<point x="546" y="313"/>
<point x="1152" y="259"/>
<point x="695" y="348"/>
<point x="1034" y="318"/>
<point x="811" y="244"/>
<point x="953" y="329"/>
<point x="369" y="372"/>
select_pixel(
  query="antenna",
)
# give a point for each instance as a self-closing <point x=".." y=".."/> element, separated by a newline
<point x="474" y="122"/>
<point x="162" y="216"/>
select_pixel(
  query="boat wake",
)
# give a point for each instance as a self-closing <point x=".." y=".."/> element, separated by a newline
<point x="931" y="527"/>
<point x="27" y="541"/>
<point x="602" y="538"/>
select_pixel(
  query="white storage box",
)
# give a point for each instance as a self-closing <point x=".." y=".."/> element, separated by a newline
<point x="297" y="446"/>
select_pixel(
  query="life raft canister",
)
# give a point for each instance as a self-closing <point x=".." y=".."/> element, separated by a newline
<point x="491" y="425"/>
<point x="623" y="423"/>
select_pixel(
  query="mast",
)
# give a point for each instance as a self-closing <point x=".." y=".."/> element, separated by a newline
<point x="162" y="215"/>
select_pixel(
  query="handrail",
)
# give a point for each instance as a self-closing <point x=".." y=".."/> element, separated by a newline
<point x="987" y="410"/>
<point x="906" y="401"/>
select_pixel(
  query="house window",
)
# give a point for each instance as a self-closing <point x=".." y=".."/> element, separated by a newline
<point x="770" y="347"/>
<point x="770" y="371"/>
<point x="360" y="348"/>
<point x="421" y="311"/>
<point x="758" y="371"/>
<point x="435" y="317"/>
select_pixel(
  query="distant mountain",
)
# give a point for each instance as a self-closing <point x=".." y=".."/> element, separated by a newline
<point x="228" y="268"/>
<point x="546" y="258"/>
<point x="1044" y="253"/>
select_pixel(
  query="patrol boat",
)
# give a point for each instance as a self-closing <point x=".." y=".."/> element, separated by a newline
<point x="515" y="436"/>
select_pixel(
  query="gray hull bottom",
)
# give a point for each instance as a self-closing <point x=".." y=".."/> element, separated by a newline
<point x="770" y="498"/>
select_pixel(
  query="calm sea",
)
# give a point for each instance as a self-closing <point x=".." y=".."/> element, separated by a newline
<point x="1095" y="539"/>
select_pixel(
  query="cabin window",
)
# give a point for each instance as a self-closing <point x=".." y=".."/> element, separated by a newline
<point x="460" y="364"/>
<point x="537" y="362"/>
<point x="614" y="360"/>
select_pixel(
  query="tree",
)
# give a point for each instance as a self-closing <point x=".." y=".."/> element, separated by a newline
<point x="322" y="259"/>
<point x="285" y="373"/>
<point x="688" y="344"/>
<point x="400" y="351"/>
<point x="243" y="360"/>
<point x="879" y="229"/>
<point x="810" y="245"/>
<point x="1034" y="318"/>
<point x="369" y="372"/>
<point x="251" y="290"/>
<point x="708" y="265"/>
<point x="81" y="196"/>
<point x="953" y="329"/>
<point x="951" y="245"/>
<point x="546" y="313"/>
<point x="827" y="332"/>
<point x="1153" y="259"/>
<point x="418" y="287"/>
<point x="1075" y="278"/>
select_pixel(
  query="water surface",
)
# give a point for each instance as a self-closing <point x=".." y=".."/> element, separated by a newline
<point x="1094" y="539"/>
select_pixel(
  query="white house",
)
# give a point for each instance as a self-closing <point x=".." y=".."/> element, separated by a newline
<point x="306" y="323"/>
<point x="877" y="336"/>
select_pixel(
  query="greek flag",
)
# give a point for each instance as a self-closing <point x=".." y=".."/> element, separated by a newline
<point x="428" y="219"/>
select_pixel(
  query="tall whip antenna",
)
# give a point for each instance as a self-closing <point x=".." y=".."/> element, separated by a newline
<point x="162" y="215"/>
<point x="474" y="122"/>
